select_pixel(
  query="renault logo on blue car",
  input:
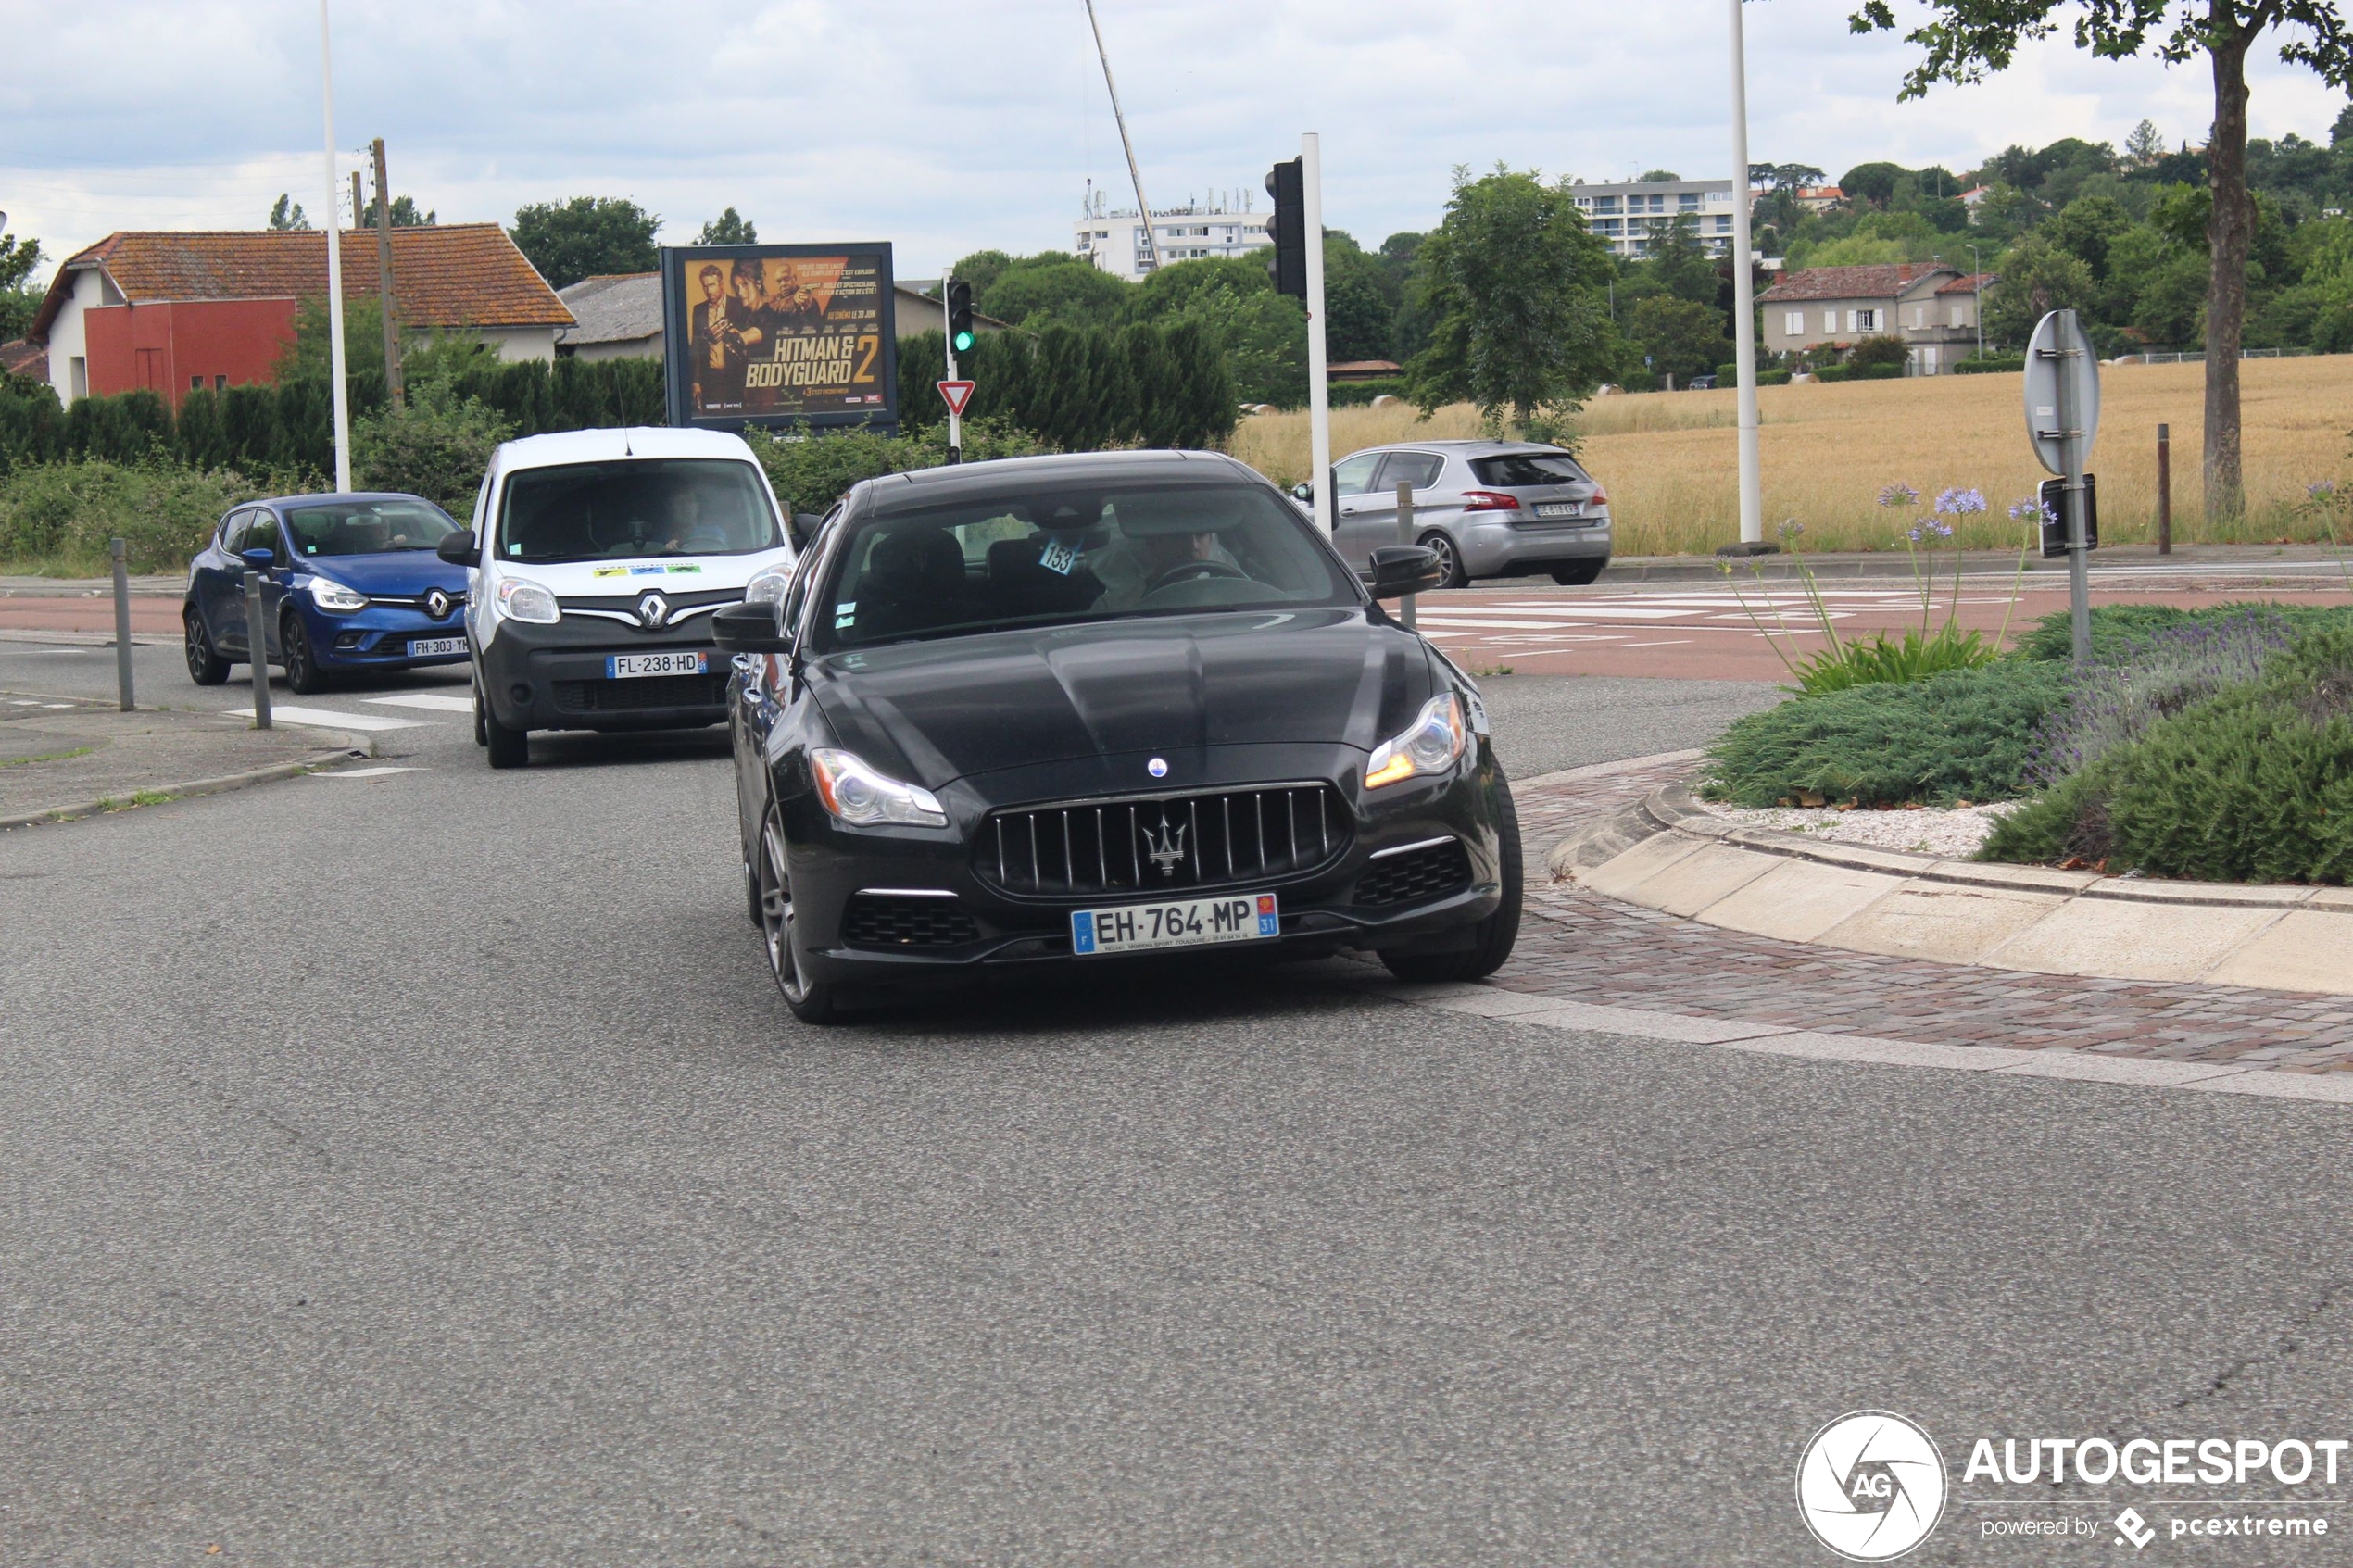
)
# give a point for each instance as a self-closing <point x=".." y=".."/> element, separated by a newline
<point x="437" y="604"/>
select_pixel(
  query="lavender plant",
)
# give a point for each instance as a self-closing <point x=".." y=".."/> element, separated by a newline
<point x="2106" y="705"/>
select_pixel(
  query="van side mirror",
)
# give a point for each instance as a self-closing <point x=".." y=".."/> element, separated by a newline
<point x="1399" y="570"/>
<point x="804" y="529"/>
<point x="751" y="628"/>
<point x="459" y="548"/>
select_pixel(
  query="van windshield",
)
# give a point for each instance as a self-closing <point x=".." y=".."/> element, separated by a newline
<point x="635" y="508"/>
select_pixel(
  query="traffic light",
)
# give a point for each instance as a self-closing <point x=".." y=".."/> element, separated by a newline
<point x="1288" y="227"/>
<point x="960" y="315"/>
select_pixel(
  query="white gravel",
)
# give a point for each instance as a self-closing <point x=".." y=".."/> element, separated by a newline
<point x="1953" y="834"/>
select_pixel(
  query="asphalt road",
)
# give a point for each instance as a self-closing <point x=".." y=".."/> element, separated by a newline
<point x="421" y="1167"/>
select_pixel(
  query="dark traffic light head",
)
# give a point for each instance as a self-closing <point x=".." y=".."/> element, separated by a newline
<point x="960" y="314"/>
<point x="1288" y="228"/>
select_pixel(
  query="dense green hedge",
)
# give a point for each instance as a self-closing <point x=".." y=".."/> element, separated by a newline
<point x="1991" y="365"/>
<point x="1963" y="736"/>
<point x="60" y="516"/>
<point x="810" y="472"/>
<point x="1729" y="375"/>
<point x="1860" y="372"/>
<point x="2116" y="629"/>
<point x="1082" y="389"/>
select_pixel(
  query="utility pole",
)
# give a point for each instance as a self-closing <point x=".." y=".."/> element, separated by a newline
<point x="1744" y="301"/>
<point x="1151" y="255"/>
<point x="1319" y="400"/>
<point x="394" y="391"/>
<point x="335" y="363"/>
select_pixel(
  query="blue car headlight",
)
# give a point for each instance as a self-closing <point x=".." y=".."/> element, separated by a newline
<point x="330" y="595"/>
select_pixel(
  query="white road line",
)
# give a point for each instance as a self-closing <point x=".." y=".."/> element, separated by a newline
<point x="1669" y="643"/>
<point x="328" y="718"/>
<point x="361" y="773"/>
<point x="436" y="701"/>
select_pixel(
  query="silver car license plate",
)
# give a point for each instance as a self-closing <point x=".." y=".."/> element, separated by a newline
<point x="1180" y="922"/>
<point x="621" y="666"/>
<point x="1560" y="508"/>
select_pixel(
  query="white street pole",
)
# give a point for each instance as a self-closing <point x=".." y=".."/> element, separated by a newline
<point x="1319" y="403"/>
<point x="1744" y="300"/>
<point x="1151" y="256"/>
<point x="334" y="265"/>
<point x="947" y="330"/>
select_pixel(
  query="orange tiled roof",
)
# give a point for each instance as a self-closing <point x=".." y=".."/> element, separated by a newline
<point x="1884" y="280"/>
<point x="444" y="275"/>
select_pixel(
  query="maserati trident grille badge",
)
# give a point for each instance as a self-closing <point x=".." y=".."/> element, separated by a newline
<point x="1166" y="850"/>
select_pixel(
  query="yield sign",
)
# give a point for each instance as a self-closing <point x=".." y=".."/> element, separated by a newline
<point x="958" y="394"/>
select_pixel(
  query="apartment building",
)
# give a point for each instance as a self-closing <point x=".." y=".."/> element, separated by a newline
<point x="1220" y="226"/>
<point x="1627" y="214"/>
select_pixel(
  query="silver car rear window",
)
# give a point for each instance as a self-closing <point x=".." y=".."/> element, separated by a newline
<point x="1518" y="469"/>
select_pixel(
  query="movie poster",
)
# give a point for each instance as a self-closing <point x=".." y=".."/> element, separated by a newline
<point x="780" y="335"/>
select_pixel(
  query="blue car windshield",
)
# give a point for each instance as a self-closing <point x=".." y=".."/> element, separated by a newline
<point x="366" y="528"/>
<point x="635" y="508"/>
<point x="1037" y="554"/>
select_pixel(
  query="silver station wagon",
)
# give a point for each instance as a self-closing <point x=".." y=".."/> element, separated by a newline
<point x="1490" y="509"/>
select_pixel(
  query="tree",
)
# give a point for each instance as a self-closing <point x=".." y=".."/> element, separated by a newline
<point x="2036" y="279"/>
<point x="2144" y="146"/>
<point x="1513" y="281"/>
<point x="983" y="268"/>
<point x="1966" y="38"/>
<point x="728" y="230"/>
<point x="286" y="213"/>
<point x="405" y="216"/>
<point x="585" y="237"/>
<point x="1650" y="174"/>
<point x="1061" y="289"/>
<point x="1872" y="182"/>
<point x="18" y="301"/>
<point x="1682" y="339"/>
<point x="1360" y="316"/>
<point x="1679" y="263"/>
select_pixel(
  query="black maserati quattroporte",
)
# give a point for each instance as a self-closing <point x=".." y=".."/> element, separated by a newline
<point x="1100" y="710"/>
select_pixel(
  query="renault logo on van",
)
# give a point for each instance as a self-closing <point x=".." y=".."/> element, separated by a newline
<point x="653" y="611"/>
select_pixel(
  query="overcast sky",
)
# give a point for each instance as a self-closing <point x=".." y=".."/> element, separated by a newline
<point x="949" y="127"/>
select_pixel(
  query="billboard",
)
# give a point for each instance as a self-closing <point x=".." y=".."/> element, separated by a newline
<point x="779" y="335"/>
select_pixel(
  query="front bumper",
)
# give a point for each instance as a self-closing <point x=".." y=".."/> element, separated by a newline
<point x="378" y="637"/>
<point x="553" y="678"/>
<point x="966" y="929"/>
<point x="1501" y="549"/>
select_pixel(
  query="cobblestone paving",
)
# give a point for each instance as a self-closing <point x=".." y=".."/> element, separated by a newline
<point x="1584" y="947"/>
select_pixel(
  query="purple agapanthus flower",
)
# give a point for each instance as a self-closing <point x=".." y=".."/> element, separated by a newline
<point x="1899" y="496"/>
<point x="1958" y="502"/>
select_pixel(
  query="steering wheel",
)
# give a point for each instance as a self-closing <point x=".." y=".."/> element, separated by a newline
<point x="1188" y="570"/>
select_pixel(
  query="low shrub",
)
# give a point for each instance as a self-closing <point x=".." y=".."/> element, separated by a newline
<point x="1912" y="658"/>
<point x="2109" y="705"/>
<point x="62" y="515"/>
<point x="2119" y="630"/>
<point x="2254" y="784"/>
<point x="1962" y="736"/>
<point x="1990" y="366"/>
<point x="437" y="447"/>
<point x="1860" y="372"/>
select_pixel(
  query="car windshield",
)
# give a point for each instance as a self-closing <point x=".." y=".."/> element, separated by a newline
<point x="366" y="528"/>
<point x="641" y="507"/>
<point x="1077" y="552"/>
<point x="1517" y="469"/>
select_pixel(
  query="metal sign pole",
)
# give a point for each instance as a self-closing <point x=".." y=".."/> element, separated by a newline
<point x="955" y="421"/>
<point x="1319" y="405"/>
<point x="121" y="620"/>
<point x="2069" y="347"/>
<point x="258" y="650"/>
<point x="1405" y="536"/>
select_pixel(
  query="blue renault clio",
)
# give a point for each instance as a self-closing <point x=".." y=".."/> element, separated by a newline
<point x="349" y="582"/>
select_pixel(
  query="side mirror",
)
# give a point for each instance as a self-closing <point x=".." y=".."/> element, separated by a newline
<point x="804" y="529"/>
<point x="459" y="548"/>
<point x="1399" y="570"/>
<point x="262" y="559"/>
<point x="752" y="628"/>
<point x="1303" y="492"/>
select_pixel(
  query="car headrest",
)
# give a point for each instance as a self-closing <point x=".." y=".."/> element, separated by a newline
<point x="916" y="562"/>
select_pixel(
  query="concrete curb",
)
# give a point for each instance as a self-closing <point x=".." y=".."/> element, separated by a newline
<point x="1671" y="854"/>
<point x="352" y="748"/>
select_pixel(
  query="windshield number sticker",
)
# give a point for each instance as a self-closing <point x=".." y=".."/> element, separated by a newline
<point x="845" y="613"/>
<point x="1059" y="556"/>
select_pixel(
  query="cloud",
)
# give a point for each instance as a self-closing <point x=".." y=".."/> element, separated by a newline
<point x="949" y="127"/>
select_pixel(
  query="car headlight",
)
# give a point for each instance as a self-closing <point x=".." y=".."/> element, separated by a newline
<point x="328" y="593"/>
<point x="860" y="797"/>
<point x="519" y="600"/>
<point x="1430" y="746"/>
<point x="768" y="588"/>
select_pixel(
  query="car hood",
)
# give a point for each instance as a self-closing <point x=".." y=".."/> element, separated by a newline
<point x="949" y="709"/>
<point x="404" y="572"/>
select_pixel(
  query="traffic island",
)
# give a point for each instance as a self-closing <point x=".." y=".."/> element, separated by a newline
<point x="1671" y="854"/>
<point x="61" y="759"/>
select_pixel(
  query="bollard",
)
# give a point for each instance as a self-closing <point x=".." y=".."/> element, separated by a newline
<point x="258" y="650"/>
<point x="122" y="621"/>
<point x="2164" y="490"/>
<point x="1405" y="534"/>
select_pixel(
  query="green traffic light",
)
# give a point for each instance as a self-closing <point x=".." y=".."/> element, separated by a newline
<point x="963" y="342"/>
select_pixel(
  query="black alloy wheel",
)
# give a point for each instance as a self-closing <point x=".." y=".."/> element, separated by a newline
<point x="812" y="1001"/>
<point x="1450" y="560"/>
<point x="302" y="674"/>
<point x="1493" y="938"/>
<point x="206" y="667"/>
<point x="1581" y="573"/>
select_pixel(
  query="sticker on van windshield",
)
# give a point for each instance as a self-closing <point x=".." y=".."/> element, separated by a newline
<point x="608" y="571"/>
<point x="1059" y="556"/>
<point x="678" y="567"/>
<point x="644" y="571"/>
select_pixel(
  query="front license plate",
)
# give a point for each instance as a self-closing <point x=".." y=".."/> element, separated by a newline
<point x="621" y="666"/>
<point x="1183" y="923"/>
<point x="426" y="648"/>
<point x="1560" y="508"/>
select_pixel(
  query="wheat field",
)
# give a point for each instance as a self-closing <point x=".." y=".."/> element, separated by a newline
<point x="1670" y="460"/>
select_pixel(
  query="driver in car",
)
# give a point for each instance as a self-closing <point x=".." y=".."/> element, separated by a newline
<point x="1149" y="553"/>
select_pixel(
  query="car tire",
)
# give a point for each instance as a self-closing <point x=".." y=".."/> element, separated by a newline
<point x="482" y="728"/>
<point x="812" y="1001"/>
<point x="206" y="667"/>
<point x="1496" y="935"/>
<point x="508" y="747"/>
<point x="1581" y="573"/>
<point x="303" y="674"/>
<point x="1450" y="560"/>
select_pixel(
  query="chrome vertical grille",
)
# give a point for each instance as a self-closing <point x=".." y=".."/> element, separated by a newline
<point x="1154" y="844"/>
